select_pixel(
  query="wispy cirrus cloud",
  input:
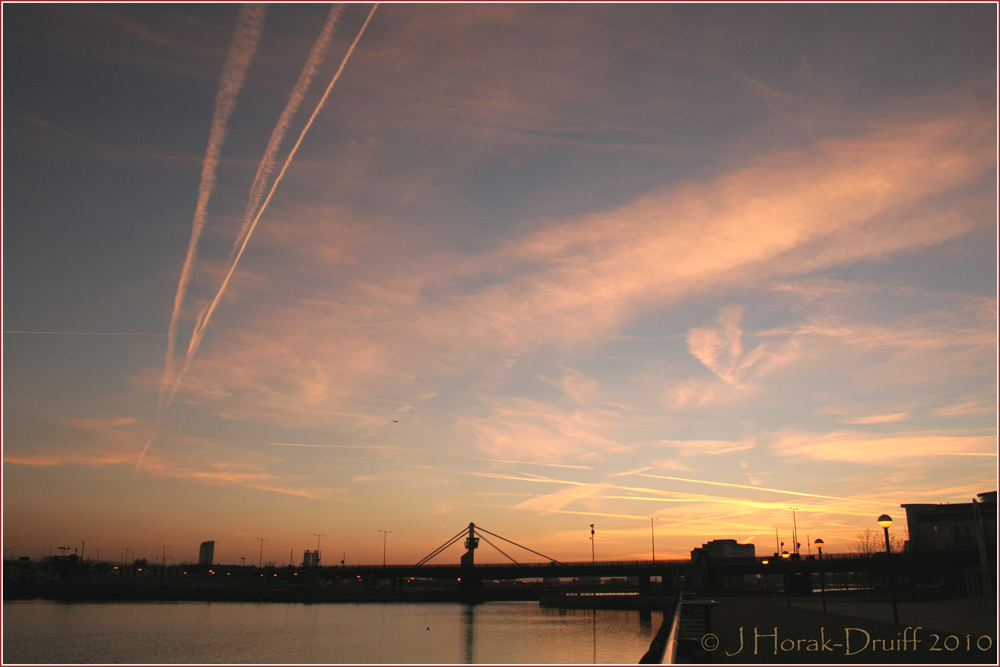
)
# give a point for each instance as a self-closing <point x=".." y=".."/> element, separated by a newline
<point x="720" y="348"/>
<point x="979" y="407"/>
<point x="72" y="457"/>
<point x="706" y="447"/>
<point x="533" y="430"/>
<point x="877" y="419"/>
<point x="861" y="447"/>
<point x="581" y="281"/>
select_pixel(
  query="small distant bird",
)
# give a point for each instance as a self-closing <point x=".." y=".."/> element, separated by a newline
<point x="396" y="421"/>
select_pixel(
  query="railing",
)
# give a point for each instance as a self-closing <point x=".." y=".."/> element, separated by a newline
<point x="670" y="650"/>
<point x="981" y="591"/>
<point x="663" y="648"/>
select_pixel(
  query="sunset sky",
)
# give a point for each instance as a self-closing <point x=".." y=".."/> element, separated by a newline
<point x="533" y="266"/>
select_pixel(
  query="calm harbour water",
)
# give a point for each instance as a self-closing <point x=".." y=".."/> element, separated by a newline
<point x="373" y="633"/>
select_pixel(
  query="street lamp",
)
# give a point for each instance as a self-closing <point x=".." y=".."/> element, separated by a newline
<point x="385" y="538"/>
<point x="593" y="558"/>
<point x="822" y="586"/>
<point x="795" y="531"/>
<point x="652" y="535"/>
<point x="262" y="539"/>
<point x="787" y="577"/>
<point x="767" y="591"/>
<point x="885" y="521"/>
<point x="317" y="535"/>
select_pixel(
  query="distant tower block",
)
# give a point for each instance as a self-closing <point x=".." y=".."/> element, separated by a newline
<point x="310" y="559"/>
<point x="206" y="553"/>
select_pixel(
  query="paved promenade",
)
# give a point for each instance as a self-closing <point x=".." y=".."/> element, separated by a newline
<point x="850" y="633"/>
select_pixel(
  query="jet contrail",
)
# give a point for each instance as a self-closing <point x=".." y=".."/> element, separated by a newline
<point x="758" y="488"/>
<point x="316" y="57"/>
<point x="199" y="332"/>
<point x="250" y="23"/>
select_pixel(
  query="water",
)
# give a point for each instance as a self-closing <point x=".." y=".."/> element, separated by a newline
<point x="295" y="633"/>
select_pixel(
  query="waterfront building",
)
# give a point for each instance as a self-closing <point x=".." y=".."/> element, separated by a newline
<point x="719" y="550"/>
<point x="954" y="526"/>
<point x="206" y="553"/>
<point x="310" y="559"/>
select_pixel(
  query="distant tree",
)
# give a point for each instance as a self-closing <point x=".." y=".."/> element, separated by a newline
<point x="868" y="542"/>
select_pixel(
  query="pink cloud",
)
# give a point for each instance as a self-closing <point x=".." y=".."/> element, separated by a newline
<point x="379" y="323"/>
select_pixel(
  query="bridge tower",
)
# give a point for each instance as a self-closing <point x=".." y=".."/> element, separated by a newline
<point x="471" y="544"/>
<point x="469" y="583"/>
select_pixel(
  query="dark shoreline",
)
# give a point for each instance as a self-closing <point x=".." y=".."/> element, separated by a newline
<point x="80" y="592"/>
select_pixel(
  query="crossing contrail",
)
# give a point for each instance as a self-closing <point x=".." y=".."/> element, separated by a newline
<point x="203" y="321"/>
<point x="250" y="23"/>
<point x="757" y="488"/>
<point x="316" y="57"/>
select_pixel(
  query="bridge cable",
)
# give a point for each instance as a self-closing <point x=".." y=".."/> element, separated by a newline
<point x="519" y="545"/>
<point x="439" y="550"/>
<point x="501" y="551"/>
<point x="443" y="546"/>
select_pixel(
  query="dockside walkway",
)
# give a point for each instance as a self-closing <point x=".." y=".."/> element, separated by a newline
<point x="749" y="630"/>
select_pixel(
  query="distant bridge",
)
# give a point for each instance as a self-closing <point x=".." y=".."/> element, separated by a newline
<point x="467" y="569"/>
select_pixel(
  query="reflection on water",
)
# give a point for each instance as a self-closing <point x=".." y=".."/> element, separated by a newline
<point x="268" y="633"/>
<point x="468" y="625"/>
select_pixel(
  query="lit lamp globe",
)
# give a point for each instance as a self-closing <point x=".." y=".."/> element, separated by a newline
<point x="885" y="521"/>
<point x="765" y="562"/>
<point x="784" y="554"/>
<point x="819" y="545"/>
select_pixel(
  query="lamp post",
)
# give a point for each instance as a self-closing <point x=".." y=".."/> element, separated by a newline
<point x="652" y="535"/>
<point x="885" y="521"/>
<point x="385" y="538"/>
<point x="767" y="592"/>
<point x="822" y="586"/>
<point x="593" y="558"/>
<point x="795" y="532"/>
<point x="787" y="577"/>
<point x="261" y="563"/>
